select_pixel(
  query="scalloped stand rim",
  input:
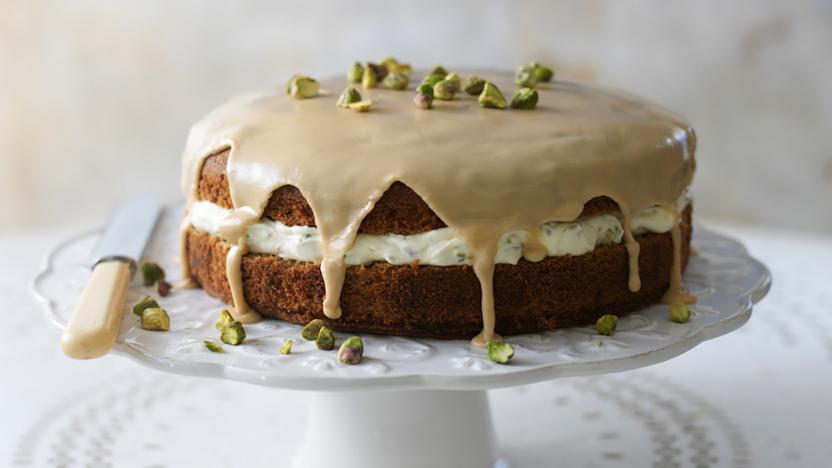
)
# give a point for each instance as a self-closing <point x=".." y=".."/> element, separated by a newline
<point x="397" y="421"/>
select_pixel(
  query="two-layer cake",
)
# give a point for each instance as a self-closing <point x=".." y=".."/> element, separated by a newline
<point x="455" y="222"/>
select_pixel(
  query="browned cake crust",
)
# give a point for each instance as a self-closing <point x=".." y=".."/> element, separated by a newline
<point x="444" y="302"/>
<point x="399" y="211"/>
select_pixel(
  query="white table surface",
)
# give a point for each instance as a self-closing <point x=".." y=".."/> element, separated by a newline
<point x="760" y="397"/>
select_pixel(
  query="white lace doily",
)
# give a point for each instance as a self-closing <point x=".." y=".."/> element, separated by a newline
<point x="724" y="277"/>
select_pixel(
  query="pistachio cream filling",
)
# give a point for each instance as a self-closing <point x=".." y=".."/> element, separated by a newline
<point x="439" y="247"/>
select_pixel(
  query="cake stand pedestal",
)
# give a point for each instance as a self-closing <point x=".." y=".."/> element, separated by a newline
<point x="411" y="402"/>
<point x="403" y="428"/>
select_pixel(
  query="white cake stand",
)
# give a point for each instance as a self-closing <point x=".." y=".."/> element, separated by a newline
<point x="412" y="402"/>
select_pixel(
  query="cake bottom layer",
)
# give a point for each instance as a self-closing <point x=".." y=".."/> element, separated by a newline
<point x="444" y="301"/>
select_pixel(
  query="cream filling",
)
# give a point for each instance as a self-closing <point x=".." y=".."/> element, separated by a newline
<point x="439" y="247"/>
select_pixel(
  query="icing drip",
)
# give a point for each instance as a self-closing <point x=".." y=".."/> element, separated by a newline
<point x="633" y="250"/>
<point x="333" y="270"/>
<point x="484" y="269"/>
<point x="533" y="248"/>
<point x="187" y="281"/>
<point x="483" y="172"/>
<point x="233" y="229"/>
<point x="338" y="229"/>
<point x="676" y="292"/>
<point x="241" y="311"/>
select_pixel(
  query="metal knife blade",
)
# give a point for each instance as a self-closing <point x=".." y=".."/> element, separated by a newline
<point x="129" y="230"/>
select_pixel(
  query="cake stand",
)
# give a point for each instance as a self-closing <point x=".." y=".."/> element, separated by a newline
<point x="411" y="402"/>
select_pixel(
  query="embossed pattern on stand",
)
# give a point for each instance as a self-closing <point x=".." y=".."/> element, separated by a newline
<point x="723" y="276"/>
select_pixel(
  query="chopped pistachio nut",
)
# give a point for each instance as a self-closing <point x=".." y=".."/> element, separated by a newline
<point x="402" y="69"/>
<point x="310" y="330"/>
<point x="433" y="79"/>
<point x="524" y="98"/>
<point x="438" y="70"/>
<point x="325" y="340"/>
<point x="304" y="87"/>
<point x="423" y="97"/>
<point x="500" y="351"/>
<point x="289" y="83"/>
<point x="492" y="97"/>
<point x="445" y="90"/>
<point x="473" y="85"/>
<point x="606" y="324"/>
<point x="213" y="347"/>
<point x="286" y="347"/>
<point x="351" y="350"/>
<point x="355" y="73"/>
<point x="524" y="76"/>
<point x="379" y="70"/>
<point x="155" y="319"/>
<point x="396" y="80"/>
<point x="679" y="312"/>
<point x="349" y="96"/>
<point x="163" y="288"/>
<point x="455" y="80"/>
<point x="146" y="303"/>
<point x="542" y="73"/>
<point x="224" y="320"/>
<point x="361" y="106"/>
<point x="233" y="333"/>
<point x="369" y="79"/>
<point x="151" y="273"/>
<point x="389" y="63"/>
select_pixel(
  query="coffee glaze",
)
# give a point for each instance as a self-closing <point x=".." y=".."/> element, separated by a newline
<point x="483" y="171"/>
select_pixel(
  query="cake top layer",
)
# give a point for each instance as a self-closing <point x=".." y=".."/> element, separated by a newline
<point x="483" y="171"/>
<point x="278" y="140"/>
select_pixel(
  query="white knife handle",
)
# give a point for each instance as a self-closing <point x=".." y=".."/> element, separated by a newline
<point x="94" y="324"/>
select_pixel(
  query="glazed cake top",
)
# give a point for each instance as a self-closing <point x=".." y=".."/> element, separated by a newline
<point x="482" y="171"/>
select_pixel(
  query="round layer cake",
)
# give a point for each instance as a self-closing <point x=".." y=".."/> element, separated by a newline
<point x="439" y="223"/>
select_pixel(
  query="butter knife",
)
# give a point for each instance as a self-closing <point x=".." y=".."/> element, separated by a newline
<point x="94" y="324"/>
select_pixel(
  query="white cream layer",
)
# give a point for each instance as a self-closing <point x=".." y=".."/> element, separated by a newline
<point x="438" y="247"/>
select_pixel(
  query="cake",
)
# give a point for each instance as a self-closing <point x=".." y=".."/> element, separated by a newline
<point x="457" y="222"/>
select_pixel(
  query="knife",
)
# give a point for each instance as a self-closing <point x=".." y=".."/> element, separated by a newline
<point x="93" y="326"/>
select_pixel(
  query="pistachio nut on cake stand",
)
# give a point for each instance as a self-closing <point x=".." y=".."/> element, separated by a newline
<point x="410" y="402"/>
